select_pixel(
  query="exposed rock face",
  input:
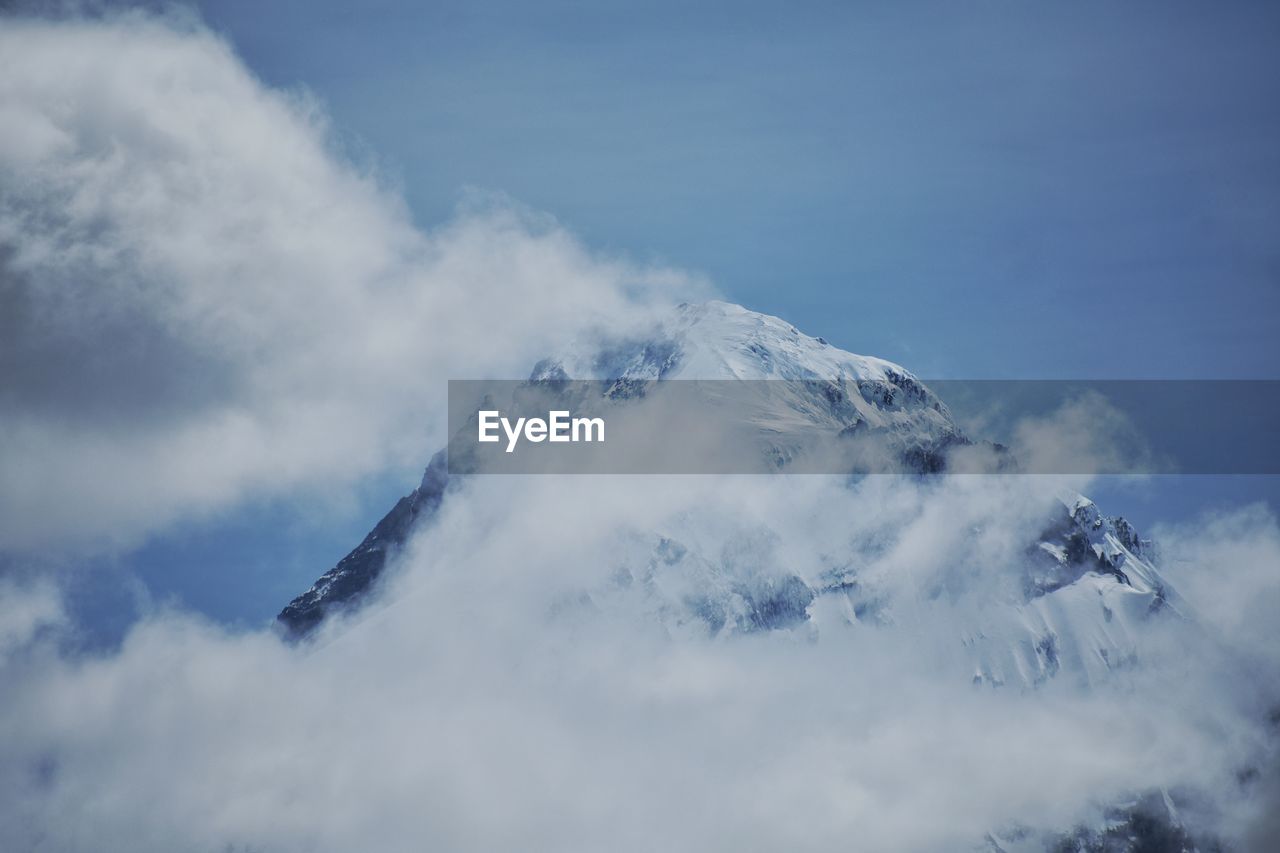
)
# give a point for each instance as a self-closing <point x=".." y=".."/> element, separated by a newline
<point x="347" y="584"/>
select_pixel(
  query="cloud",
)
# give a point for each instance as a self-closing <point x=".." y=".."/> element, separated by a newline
<point x="1086" y="434"/>
<point x="513" y="689"/>
<point x="202" y="299"/>
<point x="29" y="607"/>
<point x="1230" y="563"/>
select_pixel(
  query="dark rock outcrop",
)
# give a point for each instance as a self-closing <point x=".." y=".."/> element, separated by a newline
<point x="357" y="574"/>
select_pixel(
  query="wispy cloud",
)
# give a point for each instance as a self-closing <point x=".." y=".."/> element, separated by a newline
<point x="202" y="299"/>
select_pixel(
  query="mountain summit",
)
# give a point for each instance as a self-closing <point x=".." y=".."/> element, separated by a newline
<point x="706" y="341"/>
<point x="1087" y="580"/>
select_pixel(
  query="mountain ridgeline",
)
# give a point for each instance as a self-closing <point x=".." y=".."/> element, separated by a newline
<point x="1096" y="563"/>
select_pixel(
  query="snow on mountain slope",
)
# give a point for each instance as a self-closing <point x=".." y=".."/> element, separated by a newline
<point x="720" y="340"/>
<point x="713" y="340"/>
<point x="794" y="392"/>
<point x="1091" y="585"/>
<point x="1088" y="581"/>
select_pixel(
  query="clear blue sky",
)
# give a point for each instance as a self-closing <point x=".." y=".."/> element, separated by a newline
<point x="972" y="190"/>
<point x="978" y="189"/>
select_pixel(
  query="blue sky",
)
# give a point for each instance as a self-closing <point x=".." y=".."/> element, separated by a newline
<point x="972" y="190"/>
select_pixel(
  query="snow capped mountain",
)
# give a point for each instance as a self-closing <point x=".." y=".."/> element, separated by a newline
<point x="720" y="340"/>
<point x="823" y="392"/>
<point x="1073" y="593"/>
<point x="1091" y="583"/>
<point x="1089" y="580"/>
<point x="709" y="341"/>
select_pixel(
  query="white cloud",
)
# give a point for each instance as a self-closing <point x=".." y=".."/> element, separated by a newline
<point x="202" y="301"/>
<point x="483" y="704"/>
<point x="1086" y="434"/>
<point x="1229" y="563"/>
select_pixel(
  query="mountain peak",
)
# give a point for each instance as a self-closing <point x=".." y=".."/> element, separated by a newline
<point x="718" y="340"/>
<point x="829" y="389"/>
<point x="1088" y="579"/>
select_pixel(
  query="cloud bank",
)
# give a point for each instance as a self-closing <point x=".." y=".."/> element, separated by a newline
<point x="203" y="299"/>
<point x="513" y="690"/>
